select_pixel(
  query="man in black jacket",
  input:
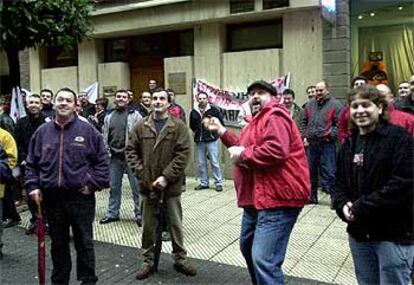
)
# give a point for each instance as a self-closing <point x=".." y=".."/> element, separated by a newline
<point x="206" y="142"/>
<point x="25" y="128"/>
<point x="374" y="191"/>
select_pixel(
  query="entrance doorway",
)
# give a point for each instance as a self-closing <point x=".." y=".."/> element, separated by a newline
<point x="145" y="55"/>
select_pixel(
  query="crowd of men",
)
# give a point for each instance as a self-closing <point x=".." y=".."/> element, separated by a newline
<point x="67" y="148"/>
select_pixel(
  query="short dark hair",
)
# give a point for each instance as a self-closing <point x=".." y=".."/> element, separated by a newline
<point x="47" y="90"/>
<point x="159" y="89"/>
<point x="67" y="89"/>
<point x="34" y="95"/>
<point x="102" y="101"/>
<point x="310" y="87"/>
<point x="360" y="77"/>
<point x="122" y="90"/>
<point x="202" y="92"/>
<point x="289" y="92"/>
<point x="372" y="94"/>
<point x="169" y="90"/>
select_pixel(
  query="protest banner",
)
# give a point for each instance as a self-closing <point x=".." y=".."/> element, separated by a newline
<point x="230" y="102"/>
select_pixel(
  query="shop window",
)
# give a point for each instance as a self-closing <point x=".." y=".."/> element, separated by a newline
<point x="116" y="50"/>
<point x="259" y="35"/>
<point x="270" y="4"/>
<point x="240" y="6"/>
<point x="59" y="57"/>
<point x="171" y="44"/>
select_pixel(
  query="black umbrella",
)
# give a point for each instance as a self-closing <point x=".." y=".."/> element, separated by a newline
<point x="158" y="232"/>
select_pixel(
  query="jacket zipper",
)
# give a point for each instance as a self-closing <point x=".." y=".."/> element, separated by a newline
<point x="60" y="157"/>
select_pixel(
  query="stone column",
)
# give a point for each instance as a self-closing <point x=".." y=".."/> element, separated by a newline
<point x="89" y="56"/>
<point x="336" y="51"/>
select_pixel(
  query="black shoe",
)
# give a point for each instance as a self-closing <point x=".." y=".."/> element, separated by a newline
<point x="144" y="271"/>
<point x="139" y="223"/>
<point x="31" y="229"/>
<point x="11" y="223"/>
<point x="186" y="269"/>
<point x="201" y="187"/>
<point x="107" y="220"/>
<point x="219" y="188"/>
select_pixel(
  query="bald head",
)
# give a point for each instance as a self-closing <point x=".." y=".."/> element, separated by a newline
<point x="385" y="90"/>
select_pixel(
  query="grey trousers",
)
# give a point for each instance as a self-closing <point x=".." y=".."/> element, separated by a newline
<point x="174" y="216"/>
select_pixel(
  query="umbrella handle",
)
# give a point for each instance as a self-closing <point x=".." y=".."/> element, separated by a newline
<point x="39" y="208"/>
<point x="162" y="197"/>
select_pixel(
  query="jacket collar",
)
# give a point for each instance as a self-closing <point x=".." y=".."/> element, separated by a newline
<point x="169" y="125"/>
<point x="74" y="118"/>
<point x="383" y="128"/>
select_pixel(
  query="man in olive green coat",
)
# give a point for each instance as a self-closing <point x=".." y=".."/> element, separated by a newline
<point x="158" y="152"/>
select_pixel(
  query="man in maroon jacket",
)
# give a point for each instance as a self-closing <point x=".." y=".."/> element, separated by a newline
<point x="271" y="178"/>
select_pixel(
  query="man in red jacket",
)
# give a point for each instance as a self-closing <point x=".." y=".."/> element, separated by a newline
<point x="272" y="181"/>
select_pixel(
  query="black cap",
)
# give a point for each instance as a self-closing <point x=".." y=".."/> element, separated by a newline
<point x="262" y="85"/>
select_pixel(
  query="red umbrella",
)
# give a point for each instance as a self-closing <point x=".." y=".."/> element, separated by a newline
<point x="41" y="247"/>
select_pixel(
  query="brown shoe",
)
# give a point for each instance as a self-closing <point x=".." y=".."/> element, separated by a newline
<point x="185" y="268"/>
<point x="145" y="271"/>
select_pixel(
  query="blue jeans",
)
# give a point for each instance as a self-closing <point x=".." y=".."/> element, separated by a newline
<point x="264" y="239"/>
<point x="212" y="148"/>
<point x="118" y="165"/>
<point x="322" y="156"/>
<point x="382" y="262"/>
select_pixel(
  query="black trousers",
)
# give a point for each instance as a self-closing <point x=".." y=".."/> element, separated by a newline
<point x="65" y="209"/>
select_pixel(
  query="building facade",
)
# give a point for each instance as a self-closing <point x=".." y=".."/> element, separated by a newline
<point x="227" y="43"/>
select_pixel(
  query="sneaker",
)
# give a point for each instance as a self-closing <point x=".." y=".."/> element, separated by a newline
<point x="165" y="236"/>
<point x="107" y="220"/>
<point x="185" y="268"/>
<point x="219" y="188"/>
<point x="144" y="271"/>
<point x="201" y="187"/>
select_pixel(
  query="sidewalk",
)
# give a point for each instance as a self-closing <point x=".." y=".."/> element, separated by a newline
<point x="115" y="265"/>
<point x="318" y="250"/>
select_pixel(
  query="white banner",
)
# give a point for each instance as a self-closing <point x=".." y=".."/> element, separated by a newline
<point x="17" y="109"/>
<point x="230" y="102"/>
<point x="92" y="92"/>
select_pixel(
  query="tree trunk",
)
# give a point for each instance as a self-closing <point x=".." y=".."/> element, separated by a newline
<point x="14" y="66"/>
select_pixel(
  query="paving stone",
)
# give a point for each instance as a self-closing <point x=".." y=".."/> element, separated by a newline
<point x="211" y="222"/>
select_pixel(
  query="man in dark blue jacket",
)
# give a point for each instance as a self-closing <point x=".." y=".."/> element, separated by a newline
<point x="66" y="163"/>
<point x="206" y="142"/>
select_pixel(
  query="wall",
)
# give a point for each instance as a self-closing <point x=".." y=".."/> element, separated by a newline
<point x="113" y="74"/>
<point x="90" y="54"/>
<point x="183" y="64"/>
<point x="57" y="78"/>
<point x="302" y="50"/>
<point x="242" y="68"/>
<point x="37" y="58"/>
